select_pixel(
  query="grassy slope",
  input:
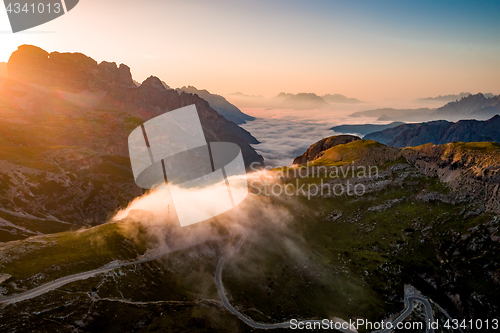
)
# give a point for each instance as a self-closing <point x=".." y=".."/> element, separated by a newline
<point x="39" y="260"/>
<point x="345" y="154"/>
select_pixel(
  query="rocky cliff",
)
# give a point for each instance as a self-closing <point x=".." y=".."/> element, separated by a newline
<point x="471" y="169"/>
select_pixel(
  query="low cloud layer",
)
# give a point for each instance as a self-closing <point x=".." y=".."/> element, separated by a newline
<point x="156" y="213"/>
<point x="283" y="140"/>
<point x="285" y="134"/>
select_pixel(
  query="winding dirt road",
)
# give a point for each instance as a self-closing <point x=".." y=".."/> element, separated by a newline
<point x="409" y="300"/>
<point x="85" y="275"/>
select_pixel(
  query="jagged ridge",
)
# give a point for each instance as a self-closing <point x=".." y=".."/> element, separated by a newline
<point x="439" y="132"/>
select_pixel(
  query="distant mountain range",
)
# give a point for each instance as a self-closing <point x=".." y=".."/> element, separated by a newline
<point x="439" y="132"/>
<point x="250" y="97"/>
<point x="452" y="98"/>
<point x="300" y="101"/>
<point x="338" y="98"/>
<point x="475" y="106"/>
<point x="291" y="101"/>
<point x="390" y="114"/>
<point x="219" y="104"/>
<point x="364" y="129"/>
<point x="311" y="98"/>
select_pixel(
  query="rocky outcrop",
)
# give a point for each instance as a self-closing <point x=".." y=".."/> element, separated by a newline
<point x="315" y="150"/>
<point x="75" y="72"/>
<point x="471" y="169"/>
<point x="32" y="65"/>
<point x="119" y="75"/>
<point x="439" y="132"/>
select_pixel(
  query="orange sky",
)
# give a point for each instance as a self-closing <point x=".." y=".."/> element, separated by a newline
<point x="371" y="52"/>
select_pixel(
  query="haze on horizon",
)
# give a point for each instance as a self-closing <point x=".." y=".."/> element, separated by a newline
<point x="367" y="50"/>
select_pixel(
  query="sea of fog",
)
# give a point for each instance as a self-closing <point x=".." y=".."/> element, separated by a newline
<point x="285" y="134"/>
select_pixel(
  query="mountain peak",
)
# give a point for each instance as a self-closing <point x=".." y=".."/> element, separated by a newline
<point x="121" y="75"/>
<point x="495" y="119"/>
<point x="338" y="98"/>
<point x="153" y="82"/>
<point x="28" y="62"/>
<point x="125" y="76"/>
<point x="474" y="97"/>
<point x="29" y="52"/>
<point x="68" y="71"/>
<point x="300" y="100"/>
<point x="317" y="149"/>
